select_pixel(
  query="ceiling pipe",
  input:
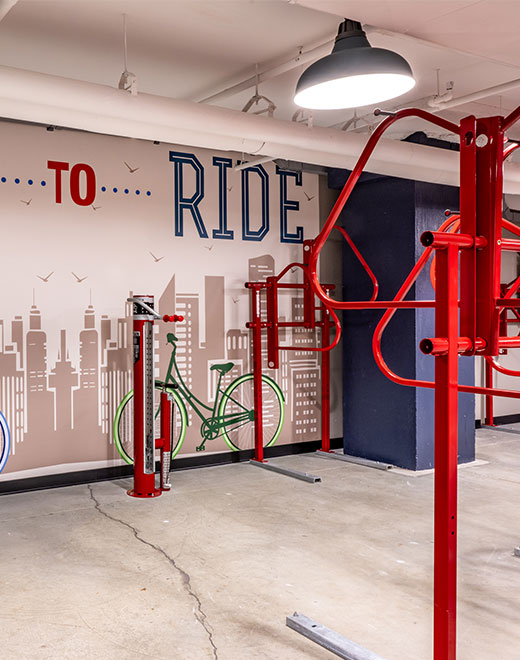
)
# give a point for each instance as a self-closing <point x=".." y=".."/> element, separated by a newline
<point x="6" y="6"/>
<point x="312" y="53"/>
<point x="252" y="163"/>
<point x="51" y="100"/>
<point x="439" y="105"/>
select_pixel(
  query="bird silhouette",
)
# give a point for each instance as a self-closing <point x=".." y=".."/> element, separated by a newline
<point x="209" y="247"/>
<point x="45" y="279"/>
<point x="24" y="202"/>
<point x="79" y="279"/>
<point x="309" y="198"/>
<point x="230" y="188"/>
<point x="156" y="259"/>
<point x="95" y="208"/>
<point x="235" y="300"/>
<point x="132" y="169"/>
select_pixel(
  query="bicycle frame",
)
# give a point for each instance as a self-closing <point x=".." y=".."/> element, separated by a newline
<point x="212" y="424"/>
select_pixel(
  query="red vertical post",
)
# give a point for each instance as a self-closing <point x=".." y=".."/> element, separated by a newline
<point x="446" y="431"/>
<point x="489" y="399"/>
<point x="271" y="294"/>
<point x="166" y="435"/>
<point x="257" y="371"/>
<point x="144" y="441"/>
<point x="325" y="380"/>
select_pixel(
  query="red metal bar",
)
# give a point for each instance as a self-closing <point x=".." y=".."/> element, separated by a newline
<point x="489" y="224"/>
<point x="325" y="380"/>
<point x="446" y="404"/>
<point x="489" y="399"/>
<point x="309" y="316"/>
<point x="508" y="302"/>
<point x="257" y="372"/>
<point x="511" y="118"/>
<point x="493" y="364"/>
<point x="439" y="345"/>
<point x="510" y="245"/>
<point x="375" y="284"/>
<point x="468" y="225"/>
<point x="165" y="444"/>
<point x="441" y="239"/>
<point x="272" y="328"/>
<point x="350" y="184"/>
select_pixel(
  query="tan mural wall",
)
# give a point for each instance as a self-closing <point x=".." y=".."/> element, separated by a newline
<point x="89" y="219"/>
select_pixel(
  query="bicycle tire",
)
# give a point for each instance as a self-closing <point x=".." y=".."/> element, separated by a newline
<point x="239" y="396"/>
<point x="123" y="423"/>
<point x="5" y="441"/>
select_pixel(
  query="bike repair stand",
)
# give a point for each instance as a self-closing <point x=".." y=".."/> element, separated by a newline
<point x="145" y="443"/>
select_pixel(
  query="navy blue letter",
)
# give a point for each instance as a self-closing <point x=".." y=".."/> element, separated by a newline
<point x="183" y="203"/>
<point x="288" y="205"/>
<point x="249" y="234"/>
<point x="223" y="164"/>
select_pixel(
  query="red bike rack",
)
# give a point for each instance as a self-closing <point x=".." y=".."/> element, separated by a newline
<point x="145" y="443"/>
<point x="272" y="287"/>
<point x="482" y="313"/>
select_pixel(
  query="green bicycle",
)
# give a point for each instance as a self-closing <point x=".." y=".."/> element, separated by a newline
<point x="231" y="417"/>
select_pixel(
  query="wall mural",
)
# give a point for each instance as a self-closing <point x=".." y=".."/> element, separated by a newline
<point x="89" y="220"/>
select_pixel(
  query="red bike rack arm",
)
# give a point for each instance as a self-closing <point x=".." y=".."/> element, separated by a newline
<point x="349" y="186"/>
<point x="362" y="261"/>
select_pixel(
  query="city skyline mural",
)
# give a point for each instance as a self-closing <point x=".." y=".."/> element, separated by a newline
<point x="65" y="328"/>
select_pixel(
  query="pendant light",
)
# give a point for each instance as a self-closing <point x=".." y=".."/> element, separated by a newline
<point x="354" y="74"/>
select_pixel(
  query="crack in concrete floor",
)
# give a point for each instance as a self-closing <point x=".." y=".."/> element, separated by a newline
<point x="200" y="615"/>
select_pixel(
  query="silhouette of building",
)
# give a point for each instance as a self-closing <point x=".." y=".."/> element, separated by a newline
<point x="63" y="379"/>
<point x="39" y="401"/>
<point x="86" y="398"/>
<point x="12" y="387"/>
<point x="17" y="337"/>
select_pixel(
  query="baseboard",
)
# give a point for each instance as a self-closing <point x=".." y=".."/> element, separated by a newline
<point x="179" y="463"/>
<point x="501" y="419"/>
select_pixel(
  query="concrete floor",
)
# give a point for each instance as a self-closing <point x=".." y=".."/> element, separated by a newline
<point x="210" y="570"/>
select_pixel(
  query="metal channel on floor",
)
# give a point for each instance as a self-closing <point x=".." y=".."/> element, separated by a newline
<point x="302" y="476"/>
<point x="366" y="462"/>
<point x="330" y="640"/>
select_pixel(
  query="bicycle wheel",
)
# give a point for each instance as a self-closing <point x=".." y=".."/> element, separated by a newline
<point x="124" y="423"/>
<point x="5" y="441"/>
<point x="238" y="403"/>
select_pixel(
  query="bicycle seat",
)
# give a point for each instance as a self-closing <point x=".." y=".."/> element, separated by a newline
<point x="222" y="368"/>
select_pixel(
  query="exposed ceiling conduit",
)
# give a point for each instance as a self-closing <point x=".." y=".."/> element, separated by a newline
<point x="6" y="6"/>
<point x="440" y="105"/>
<point x="52" y="100"/>
<point x="314" y="51"/>
<point x="309" y="54"/>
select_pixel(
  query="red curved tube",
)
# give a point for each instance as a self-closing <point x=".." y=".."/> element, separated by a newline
<point x="455" y="219"/>
<point x="349" y="186"/>
<point x="337" y="324"/>
<point x="362" y="261"/>
<point x="503" y="370"/>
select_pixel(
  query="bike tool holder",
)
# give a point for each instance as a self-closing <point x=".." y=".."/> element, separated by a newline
<point x="145" y="442"/>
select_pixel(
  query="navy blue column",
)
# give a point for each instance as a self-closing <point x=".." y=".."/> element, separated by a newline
<point x="382" y="420"/>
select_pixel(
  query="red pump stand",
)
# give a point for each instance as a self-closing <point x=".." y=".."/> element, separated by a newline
<point x="145" y="443"/>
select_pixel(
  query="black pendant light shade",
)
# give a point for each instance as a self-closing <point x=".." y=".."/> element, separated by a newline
<point x="354" y="74"/>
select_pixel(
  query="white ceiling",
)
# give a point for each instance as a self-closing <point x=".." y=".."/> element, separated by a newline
<point x="191" y="48"/>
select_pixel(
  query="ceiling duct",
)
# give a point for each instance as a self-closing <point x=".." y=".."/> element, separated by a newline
<point x="45" y="99"/>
